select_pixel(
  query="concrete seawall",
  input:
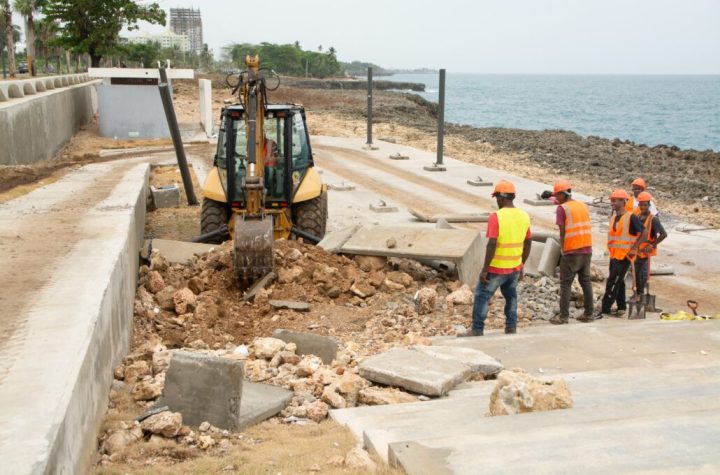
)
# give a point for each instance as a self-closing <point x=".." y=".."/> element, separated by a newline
<point x="36" y="121"/>
<point x="56" y="361"/>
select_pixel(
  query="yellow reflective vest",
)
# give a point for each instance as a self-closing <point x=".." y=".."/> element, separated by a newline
<point x="513" y="225"/>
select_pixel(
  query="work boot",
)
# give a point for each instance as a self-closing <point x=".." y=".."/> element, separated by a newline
<point x="510" y="329"/>
<point x="600" y="314"/>
<point x="619" y="313"/>
<point x="558" y="320"/>
<point x="585" y="318"/>
<point x="471" y="333"/>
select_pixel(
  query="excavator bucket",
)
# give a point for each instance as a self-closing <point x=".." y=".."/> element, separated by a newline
<point x="252" y="249"/>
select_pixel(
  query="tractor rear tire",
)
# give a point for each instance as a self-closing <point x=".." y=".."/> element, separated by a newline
<point x="311" y="215"/>
<point x="213" y="216"/>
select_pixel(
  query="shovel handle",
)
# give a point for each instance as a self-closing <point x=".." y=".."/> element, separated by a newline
<point x="692" y="305"/>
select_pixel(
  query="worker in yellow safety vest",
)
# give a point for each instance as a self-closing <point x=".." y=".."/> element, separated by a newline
<point x="573" y="220"/>
<point x="508" y="247"/>
<point x="624" y="231"/>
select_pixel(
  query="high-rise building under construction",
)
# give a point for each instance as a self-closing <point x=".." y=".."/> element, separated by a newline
<point x="187" y="21"/>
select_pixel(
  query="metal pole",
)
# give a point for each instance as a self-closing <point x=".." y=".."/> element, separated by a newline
<point x="369" y="106"/>
<point x="441" y="119"/>
<point x="176" y="138"/>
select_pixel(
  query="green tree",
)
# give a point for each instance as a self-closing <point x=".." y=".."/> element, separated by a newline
<point x="9" y="35"/>
<point x="45" y="34"/>
<point x="286" y="59"/>
<point x="144" y="55"/>
<point x="27" y="8"/>
<point x="93" y="26"/>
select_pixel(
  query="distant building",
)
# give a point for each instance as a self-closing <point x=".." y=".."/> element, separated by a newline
<point x="166" y="40"/>
<point x="188" y="22"/>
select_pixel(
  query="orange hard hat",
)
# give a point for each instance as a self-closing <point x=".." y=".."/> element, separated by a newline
<point x="619" y="195"/>
<point x="504" y="186"/>
<point x="561" y="185"/>
<point x="639" y="182"/>
<point x="644" y="196"/>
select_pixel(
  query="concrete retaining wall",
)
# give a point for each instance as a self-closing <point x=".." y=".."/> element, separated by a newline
<point x="54" y="393"/>
<point x="39" y="116"/>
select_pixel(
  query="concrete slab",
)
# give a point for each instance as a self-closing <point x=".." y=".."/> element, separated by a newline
<point x="290" y="305"/>
<point x="550" y="257"/>
<point x="260" y="402"/>
<point x="67" y="298"/>
<point x="415" y="371"/>
<point x="166" y="196"/>
<point x="204" y="388"/>
<point x="478" y="361"/>
<point x="537" y="249"/>
<point x="269" y="278"/>
<point x="341" y="187"/>
<point x="463" y="247"/>
<point x="334" y="241"/>
<point x="179" y="252"/>
<point x="383" y="208"/>
<point x="323" y="347"/>
<point x="532" y="202"/>
<point x="451" y="218"/>
<point x="479" y="182"/>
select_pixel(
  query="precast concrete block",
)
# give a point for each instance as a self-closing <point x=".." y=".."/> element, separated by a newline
<point x="308" y="344"/>
<point x="550" y="257"/>
<point x="167" y="196"/>
<point x="478" y="361"/>
<point x="260" y="402"/>
<point x="204" y="388"/>
<point x="537" y="249"/>
<point x="415" y="371"/>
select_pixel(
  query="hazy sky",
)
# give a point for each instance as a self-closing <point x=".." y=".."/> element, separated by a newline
<point x="483" y="36"/>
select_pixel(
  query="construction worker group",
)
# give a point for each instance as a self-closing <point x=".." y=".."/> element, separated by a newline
<point x="634" y="232"/>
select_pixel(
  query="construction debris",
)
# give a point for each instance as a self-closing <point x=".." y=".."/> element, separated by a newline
<point x="516" y="392"/>
<point x="479" y="182"/>
<point x="398" y="156"/>
<point x="451" y="218"/>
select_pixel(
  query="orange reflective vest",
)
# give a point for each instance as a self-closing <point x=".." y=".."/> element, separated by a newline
<point x="578" y="229"/>
<point x="513" y="225"/>
<point x="647" y="248"/>
<point x="630" y="205"/>
<point x="620" y="241"/>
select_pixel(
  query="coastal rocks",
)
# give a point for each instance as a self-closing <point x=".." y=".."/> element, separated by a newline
<point x="516" y="392"/>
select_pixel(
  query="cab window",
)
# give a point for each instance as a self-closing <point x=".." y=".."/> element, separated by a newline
<point x="300" y="149"/>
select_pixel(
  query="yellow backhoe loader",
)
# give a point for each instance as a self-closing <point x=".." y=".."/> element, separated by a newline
<point x="263" y="185"/>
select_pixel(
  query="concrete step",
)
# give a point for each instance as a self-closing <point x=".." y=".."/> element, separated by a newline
<point x="599" y="394"/>
<point x="684" y="441"/>
<point x="605" y="344"/>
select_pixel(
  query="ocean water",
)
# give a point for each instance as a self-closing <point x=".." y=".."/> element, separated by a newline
<point x="671" y="110"/>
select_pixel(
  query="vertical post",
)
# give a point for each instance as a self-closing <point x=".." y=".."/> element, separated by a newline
<point x="369" y="106"/>
<point x="166" y="97"/>
<point x="438" y="165"/>
<point x="441" y="119"/>
<point x="4" y="65"/>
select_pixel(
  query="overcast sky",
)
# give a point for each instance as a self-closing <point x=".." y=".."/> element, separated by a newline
<point x="483" y="36"/>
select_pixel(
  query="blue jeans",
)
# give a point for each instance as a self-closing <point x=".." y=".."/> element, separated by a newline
<point x="483" y="293"/>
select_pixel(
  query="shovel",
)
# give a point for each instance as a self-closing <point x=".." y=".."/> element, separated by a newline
<point x="636" y="304"/>
<point x="649" y="299"/>
<point x="692" y="305"/>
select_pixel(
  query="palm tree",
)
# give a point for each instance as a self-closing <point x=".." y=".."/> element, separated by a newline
<point x="46" y="31"/>
<point x="27" y="8"/>
<point x="9" y="39"/>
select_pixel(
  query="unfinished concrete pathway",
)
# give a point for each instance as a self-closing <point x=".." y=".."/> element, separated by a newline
<point x="645" y="401"/>
<point x="403" y="183"/>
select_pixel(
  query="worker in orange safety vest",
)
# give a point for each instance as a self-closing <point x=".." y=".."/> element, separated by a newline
<point x="653" y="234"/>
<point x="632" y="205"/>
<point x="624" y="231"/>
<point x="573" y="220"/>
<point x="508" y="247"/>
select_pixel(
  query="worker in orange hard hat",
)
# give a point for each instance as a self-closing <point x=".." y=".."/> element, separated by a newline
<point x="573" y="220"/>
<point x="508" y="247"/>
<point x="653" y="234"/>
<point x="624" y="231"/>
<point x="638" y="186"/>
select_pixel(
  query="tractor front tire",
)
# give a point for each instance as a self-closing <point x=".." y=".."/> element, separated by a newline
<point x="311" y="216"/>
<point x="213" y="216"/>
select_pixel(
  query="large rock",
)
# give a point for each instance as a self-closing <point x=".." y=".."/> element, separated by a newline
<point x="184" y="301"/>
<point x="370" y="263"/>
<point x="268" y="347"/>
<point x="136" y="371"/>
<point x="478" y="361"/>
<point x="286" y="276"/>
<point x="118" y="440"/>
<point x="462" y="296"/>
<point x="415" y="371"/>
<point x="149" y="389"/>
<point x="425" y="300"/>
<point x="166" y="424"/>
<point x="516" y="392"/>
<point x="155" y="282"/>
<point x="358" y="459"/>
<point x="317" y="411"/>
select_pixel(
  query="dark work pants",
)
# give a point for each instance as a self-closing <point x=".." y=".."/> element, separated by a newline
<point x="615" y="287"/>
<point x="641" y="273"/>
<point x="570" y="266"/>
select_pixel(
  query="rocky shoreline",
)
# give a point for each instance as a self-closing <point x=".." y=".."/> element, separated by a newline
<point x="687" y="180"/>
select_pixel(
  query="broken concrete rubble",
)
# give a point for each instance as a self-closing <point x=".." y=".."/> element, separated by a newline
<point x="516" y="392"/>
<point x="478" y="361"/>
<point x="310" y="344"/>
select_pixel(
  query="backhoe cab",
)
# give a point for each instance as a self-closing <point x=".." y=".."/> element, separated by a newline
<point x="263" y="185"/>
